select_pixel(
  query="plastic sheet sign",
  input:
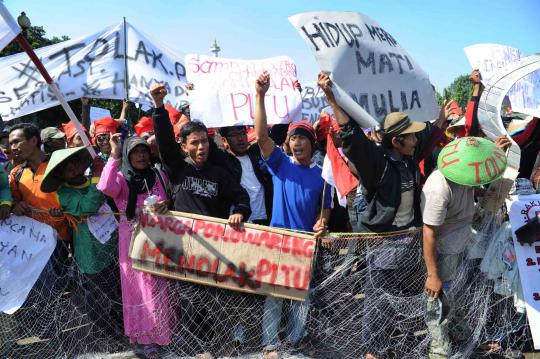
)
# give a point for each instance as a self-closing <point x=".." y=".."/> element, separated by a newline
<point x="373" y="75"/>
<point x="25" y="248"/>
<point x="205" y="250"/>
<point x="91" y="66"/>
<point x="313" y="102"/>
<point x="492" y="58"/>
<point x="521" y="210"/>
<point x="489" y="116"/>
<point x="224" y="92"/>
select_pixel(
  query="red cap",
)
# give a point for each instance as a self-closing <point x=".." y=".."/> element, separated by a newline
<point x="174" y="114"/>
<point x="145" y="124"/>
<point x="302" y="128"/>
<point x="211" y="132"/>
<point x="105" y="125"/>
<point x="70" y="130"/>
<point x="327" y="125"/>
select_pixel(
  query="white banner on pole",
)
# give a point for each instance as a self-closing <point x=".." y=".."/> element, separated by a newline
<point x="492" y="58"/>
<point x="522" y="209"/>
<point x="91" y="66"/>
<point x="9" y="28"/>
<point x="372" y="74"/>
<point x="25" y="248"/>
<point x="224" y="90"/>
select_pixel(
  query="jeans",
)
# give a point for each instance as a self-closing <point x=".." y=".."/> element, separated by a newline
<point x="296" y="320"/>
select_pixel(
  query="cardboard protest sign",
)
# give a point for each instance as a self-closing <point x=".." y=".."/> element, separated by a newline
<point x="521" y="210"/>
<point x="489" y="117"/>
<point x="259" y="260"/>
<point x="25" y="248"/>
<point x="490" y="59"/>
<point x="91" y="66"/>
<point x="98" y="112"/>
<point x="372" y="74"/>
<point x="224" y="90"/>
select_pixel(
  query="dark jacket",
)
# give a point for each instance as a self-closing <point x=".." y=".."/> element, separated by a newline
<point x="230" y="163"/>
<point x="208" y="190"/>
<point x="380" y="175"/>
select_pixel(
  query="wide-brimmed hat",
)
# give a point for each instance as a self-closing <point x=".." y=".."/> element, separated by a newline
<point x="472" y="161"/>
<point x="50" y="181"/>
<point x="399" y="123"/>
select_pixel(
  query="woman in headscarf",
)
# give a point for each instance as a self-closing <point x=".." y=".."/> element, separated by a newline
<point x="146" y="322"/>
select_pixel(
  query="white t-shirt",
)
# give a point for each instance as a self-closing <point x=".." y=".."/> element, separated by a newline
<point x="449" y="206"/>
<point x="254" y="188"/>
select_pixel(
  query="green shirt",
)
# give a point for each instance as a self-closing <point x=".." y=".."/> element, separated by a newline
<point x="90" y="255"/>
<point x="5" y="189"/>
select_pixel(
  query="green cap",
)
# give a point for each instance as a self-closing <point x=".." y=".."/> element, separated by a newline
<point x="472" y="161"/>
<point x="49" y="133"/>
<point x="50" y="182"/>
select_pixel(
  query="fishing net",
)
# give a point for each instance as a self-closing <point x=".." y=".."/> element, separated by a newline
<point x="367" y="296"/>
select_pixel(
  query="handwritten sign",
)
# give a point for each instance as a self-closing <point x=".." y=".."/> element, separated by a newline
<point x="372" y="74"/>
<point x="103" y="226"/>
<point x="260" y="260"/>
<point x="91" y="66"/>
<point x="313" y="102"/>
<point x="98" y="112"/>
<point x="224" y="92"/>
<point x="490" y="59"/>
<point x="25" y="248"/>
<point x="521" y="210"/>
<point x="8" y="27"/>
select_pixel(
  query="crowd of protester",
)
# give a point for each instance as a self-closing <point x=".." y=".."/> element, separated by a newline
<point x="267" y="175"/>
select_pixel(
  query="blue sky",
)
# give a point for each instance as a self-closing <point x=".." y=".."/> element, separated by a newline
<point x="433" y="32"/>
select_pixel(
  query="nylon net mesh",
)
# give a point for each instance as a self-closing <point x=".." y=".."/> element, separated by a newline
<point x="367" y="296"/>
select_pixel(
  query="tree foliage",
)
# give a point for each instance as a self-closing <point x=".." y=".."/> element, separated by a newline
<point x="459" y="90"/>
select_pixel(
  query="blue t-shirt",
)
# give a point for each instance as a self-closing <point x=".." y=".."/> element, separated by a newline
<point x="297" y="192"/>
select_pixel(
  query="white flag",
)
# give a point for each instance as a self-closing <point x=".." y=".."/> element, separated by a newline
<point x="8" y="27"/>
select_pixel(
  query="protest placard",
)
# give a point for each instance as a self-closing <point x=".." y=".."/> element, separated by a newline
<point x="372" y="74"/>
<point x="25" y="248"/>
<point x="224" y="90"/>
<point x="205" y="250"/>
<point x="313" y="102"/>
<point x="92" y="66"/>
<point x="521" y="210"/>
<point x="98" y="112"/>
<point x="490" y="59"/>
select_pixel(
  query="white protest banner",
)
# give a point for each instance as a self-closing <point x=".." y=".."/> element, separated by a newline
<point x="489" y="117"/>
<point x="25" y="248"/>
<point x="313" y="102"/>
<point x="521" y="210"/>
<point x="372" y="74"/>
<point x="98" y="112"/>
<point x="102" y="226"/>
<point x="490" y="59"/>
<point x="205" y="250"/>
<point x="9" y="29"/>
<point x="91" y="66"/>
<point x="224" y="90"/>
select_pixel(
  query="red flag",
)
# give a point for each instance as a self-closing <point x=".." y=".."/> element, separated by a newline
<point x="343" y="178"/>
